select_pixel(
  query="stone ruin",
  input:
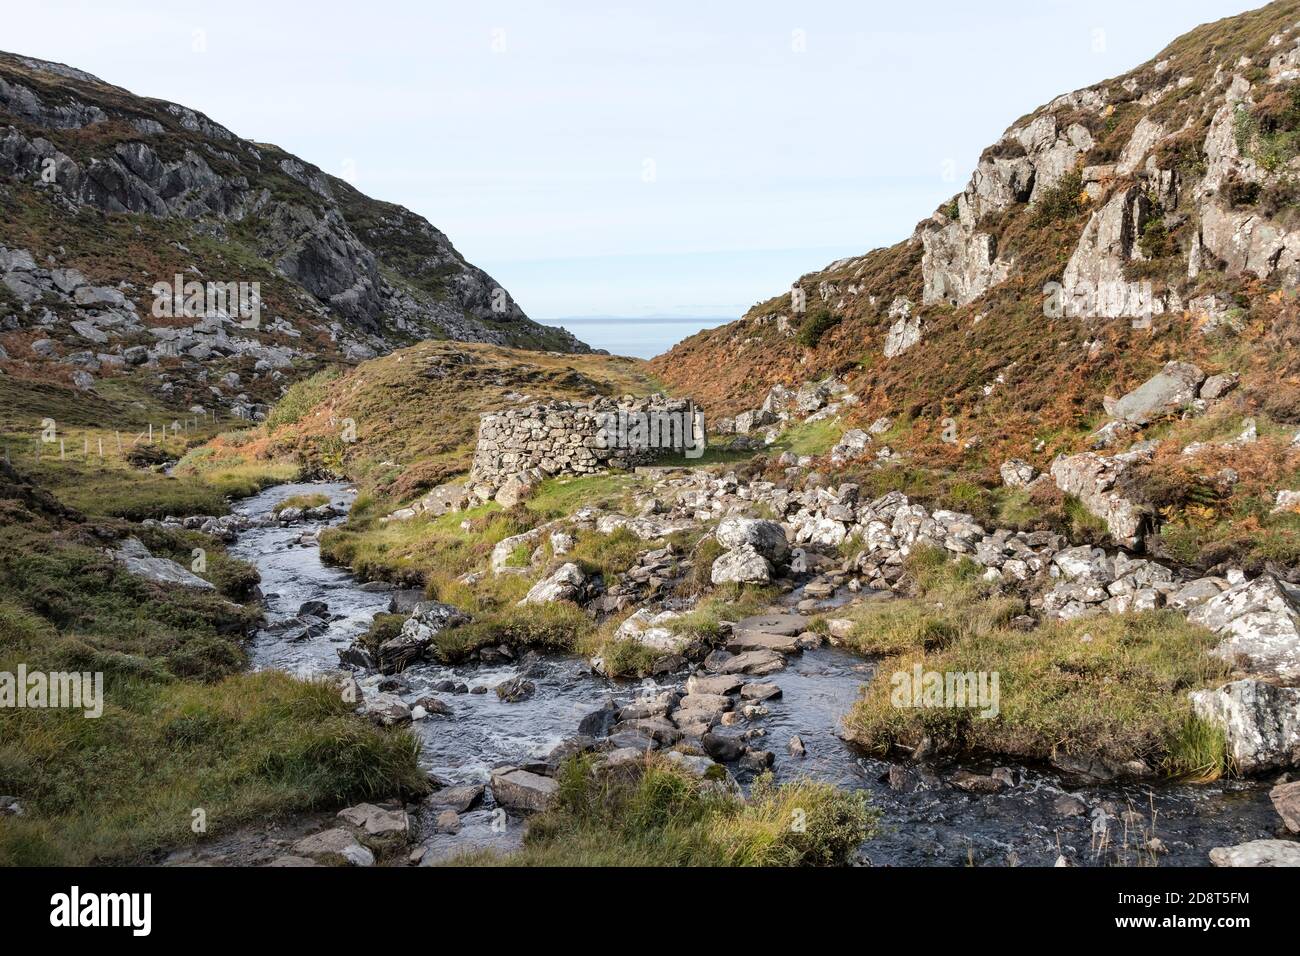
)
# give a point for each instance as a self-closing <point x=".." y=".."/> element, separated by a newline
<point x="533" y="442"/>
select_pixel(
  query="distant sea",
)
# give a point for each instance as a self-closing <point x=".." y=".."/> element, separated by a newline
<point x="640" y="337"/>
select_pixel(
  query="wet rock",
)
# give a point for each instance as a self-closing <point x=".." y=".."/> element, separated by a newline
<point x="975" y="783"/>
<point x="516" y="689"/>
<point x="599" y="722"/>
<point x="335" y="847"/>
<point x="314" y="609"/>
<point x="448" y="821"/>
<point x="796" y="747"/>
<point x="756" y="761"/>
<point x="380" y="829"/>
<point x="722" y="748"/>
<point x="429" y="619"/>
<point x="760" y="692"/>
<point x="385" y="709"/>
<point x="1258" y="853"/>
<point x="522" y="791"/>
<point x="1068" y="805"/>
<point x="460" y="799"/>
<point x="434" y="706"/>
<point x="1286" y="800"/>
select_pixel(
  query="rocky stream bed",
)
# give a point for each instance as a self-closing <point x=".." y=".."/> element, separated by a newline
<point x="1032" y="816"/>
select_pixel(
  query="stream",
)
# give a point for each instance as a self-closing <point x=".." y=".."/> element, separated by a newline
<point x="924" y="821"/>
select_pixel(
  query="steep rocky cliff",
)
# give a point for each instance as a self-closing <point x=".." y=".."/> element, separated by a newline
<point x="104" y="194"/>
<point x="1151" y="217"/>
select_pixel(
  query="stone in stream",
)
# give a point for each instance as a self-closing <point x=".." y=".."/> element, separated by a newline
<point x="975" y="783"/>
<point x="336" y="847"/>
<point x="741" y="641"/>
<point x="448" y="821"/>
<point x="314" y="609"/>
<point x="656" y="729"/>
<point x="786" y="624"/>
<point x="385" y="709"/>
<point x="434" y="705"/>
<point x="756" y="761"/>
<point x="378" y="828"/>
<point x="723" y="748"/>
<point x="755" y="663"/>
<point x="600" y="722"/>
<point x="715" y="684"/>
<point x="717" y="703"/>
<point x="459" y="799"/>
<point x="1286" y="800"/>
<point x="1258" y="853"/>
<point x="759" y="692"/>
<point x="515" y="689"/>
<point x="522" y="791"/>
<point x="796" y="747"/>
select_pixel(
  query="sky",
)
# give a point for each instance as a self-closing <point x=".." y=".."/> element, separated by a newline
<point x="667" y="159"/>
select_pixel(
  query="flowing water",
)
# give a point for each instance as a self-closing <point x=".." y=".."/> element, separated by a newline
<point x="924" y="821"/>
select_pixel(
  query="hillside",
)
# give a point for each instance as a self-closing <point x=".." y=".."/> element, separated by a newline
<point x="414" y="414"/>
<point x="1171" y="189"/>
<point x="104" y="194"/>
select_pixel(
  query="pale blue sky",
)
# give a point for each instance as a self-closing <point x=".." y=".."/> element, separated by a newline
<point x="606" y="158"/>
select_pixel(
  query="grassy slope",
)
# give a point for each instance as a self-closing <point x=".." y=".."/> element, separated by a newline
<point x="416" y="411"/>
<point x="184" y="727"/>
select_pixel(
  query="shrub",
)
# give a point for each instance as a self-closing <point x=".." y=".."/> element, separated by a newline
<point x="816" y="323"/>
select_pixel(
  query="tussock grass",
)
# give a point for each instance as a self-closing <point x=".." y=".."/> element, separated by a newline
<point x="652" y="814"/>
<point x="1113" y="687"/>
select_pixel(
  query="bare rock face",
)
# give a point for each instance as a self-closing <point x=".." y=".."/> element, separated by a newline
<point x="903" y="334"/>
<point x="1259" y="621"/>
<point x="1162" y="395"/>
<point x="1092" y="478"/>
<point x="1261" y="722"/>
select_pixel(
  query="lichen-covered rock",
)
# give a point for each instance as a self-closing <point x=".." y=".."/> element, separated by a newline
<point x="566" y="583"/>
<point x="1259" y="622"/>
<point x="1260" y="721"/>
<point x="741" y="566"/>
<point x="138" y="560"/>
<point x="1167" y="393"/>
<point x="1092" y="479"/>
<point x="763" y="536"/>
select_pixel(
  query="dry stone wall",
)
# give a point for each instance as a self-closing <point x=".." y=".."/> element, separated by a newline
<point x="559" y="437"/>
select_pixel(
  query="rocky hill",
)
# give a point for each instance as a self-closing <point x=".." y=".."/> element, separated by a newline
<point x="1147" y="218"/>
<point x="104" y="195"/>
